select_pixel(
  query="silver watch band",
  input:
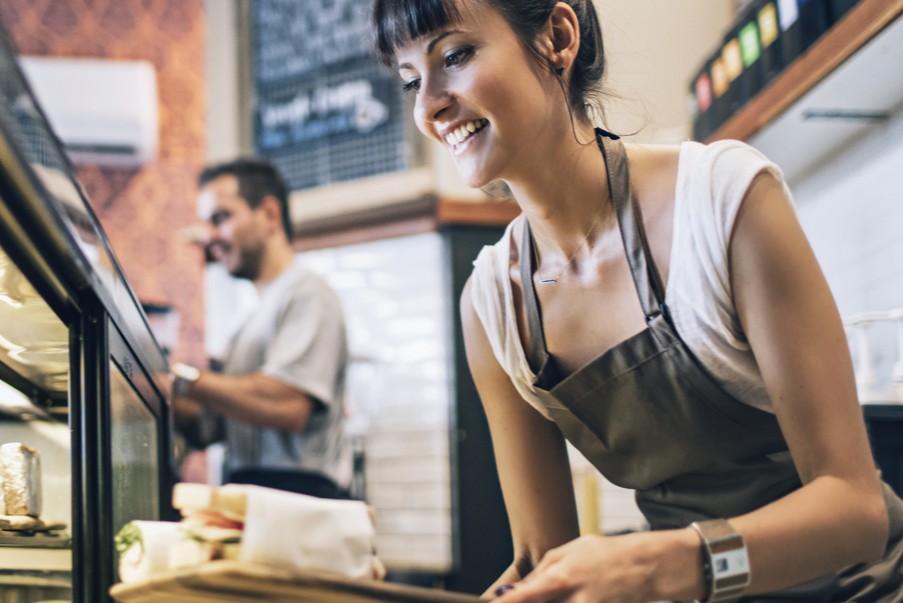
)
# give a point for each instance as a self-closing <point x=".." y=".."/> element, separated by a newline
<point x="725" y="560"/>
<point x="183" y="378"/>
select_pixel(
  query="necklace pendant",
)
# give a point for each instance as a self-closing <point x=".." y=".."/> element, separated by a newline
<point x="548" y="280"/>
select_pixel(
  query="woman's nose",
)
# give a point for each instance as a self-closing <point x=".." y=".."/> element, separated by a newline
<point x="432" y="99"/>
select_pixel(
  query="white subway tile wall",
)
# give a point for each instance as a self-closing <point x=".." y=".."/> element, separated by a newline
<point x="396" y="304"/>
<point x="852" y="212"/>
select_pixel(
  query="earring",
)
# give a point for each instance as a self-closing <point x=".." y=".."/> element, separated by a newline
<point x="559" y="71"/>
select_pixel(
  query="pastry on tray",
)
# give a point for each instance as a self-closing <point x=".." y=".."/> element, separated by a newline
<point x="20" y="480"/>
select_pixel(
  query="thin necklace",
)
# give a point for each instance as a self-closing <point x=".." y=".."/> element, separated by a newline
<point x="554" y="279"/>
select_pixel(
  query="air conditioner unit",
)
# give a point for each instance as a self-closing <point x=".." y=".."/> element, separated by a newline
<point x="104" y="111"/>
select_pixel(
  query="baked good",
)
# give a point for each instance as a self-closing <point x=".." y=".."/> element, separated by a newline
<point x="20" y="468"/>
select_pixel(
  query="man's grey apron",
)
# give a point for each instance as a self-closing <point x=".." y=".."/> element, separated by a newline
<point x="651" y="418"/>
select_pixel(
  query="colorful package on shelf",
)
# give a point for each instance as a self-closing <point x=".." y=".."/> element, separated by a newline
<point x="701" y="104"/>
<point x="721" y="101"/>
<point x="772" y="58"/>
<point x="767" y="37"/>
<point x="814" y="19"/>
<point x="732" y="62"/>
<point x="802" y="22"/>
<point x="750" y="80"/>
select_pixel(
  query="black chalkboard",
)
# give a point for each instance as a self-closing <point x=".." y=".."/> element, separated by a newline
<point x="301" y="36"/>
<point x="325" y="110"/>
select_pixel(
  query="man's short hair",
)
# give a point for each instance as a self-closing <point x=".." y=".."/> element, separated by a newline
<point x="257" y="178"/>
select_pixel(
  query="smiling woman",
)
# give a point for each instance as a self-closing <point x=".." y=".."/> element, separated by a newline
<point x="660" y="308"/>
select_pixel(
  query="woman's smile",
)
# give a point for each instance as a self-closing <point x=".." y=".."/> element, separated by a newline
<point x="460" y="137"/>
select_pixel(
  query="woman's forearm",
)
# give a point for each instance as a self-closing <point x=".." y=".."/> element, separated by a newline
<point x="828" y="516"/>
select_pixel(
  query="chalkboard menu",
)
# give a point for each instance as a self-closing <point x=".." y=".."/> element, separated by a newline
<point x="325" y="110"/>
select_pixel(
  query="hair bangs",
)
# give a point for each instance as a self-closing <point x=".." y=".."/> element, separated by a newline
<point x="397" y="22"/>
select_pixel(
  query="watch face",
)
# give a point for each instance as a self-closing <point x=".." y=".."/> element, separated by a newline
<point x="726" y="559"/>
<point x="186" y="372"/>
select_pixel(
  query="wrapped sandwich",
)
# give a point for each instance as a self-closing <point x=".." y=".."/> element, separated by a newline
<point x="255" y="525"/>
<point x="149" y="548"/>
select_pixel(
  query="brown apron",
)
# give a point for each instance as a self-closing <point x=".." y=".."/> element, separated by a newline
<point x="652" y="419"/>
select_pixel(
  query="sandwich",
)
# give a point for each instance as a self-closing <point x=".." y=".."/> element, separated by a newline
<point x="255" y="525"/>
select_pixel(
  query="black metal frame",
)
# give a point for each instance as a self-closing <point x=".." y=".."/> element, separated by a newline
<point x="481" y="537"/>
<point x="37" y="234"/>
<point x="885" y="428"/>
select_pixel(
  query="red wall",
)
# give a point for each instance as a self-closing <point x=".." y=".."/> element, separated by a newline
<point x="142" y="210"/>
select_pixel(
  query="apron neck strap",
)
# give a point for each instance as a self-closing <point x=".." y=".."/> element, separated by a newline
<point x="646" y="277"/>
<point x="538" y="355"/>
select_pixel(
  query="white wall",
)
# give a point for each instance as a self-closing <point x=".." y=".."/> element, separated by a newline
<point x="653" y="48"/>
<point x="396" y="305"/>
<point x="852" y="212"/>
<point x="222" y="67"/>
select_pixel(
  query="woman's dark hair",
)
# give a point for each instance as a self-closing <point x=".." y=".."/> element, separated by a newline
<point x="257" y="178"/>
<point x="396" y="22"/>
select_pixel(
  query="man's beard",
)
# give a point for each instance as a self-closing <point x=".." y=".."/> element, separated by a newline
<point x="250" y="260"/>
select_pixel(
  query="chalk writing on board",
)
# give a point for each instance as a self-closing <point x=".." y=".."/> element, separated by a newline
<point x="294" y="37"/>
<point x="321" y="111"/>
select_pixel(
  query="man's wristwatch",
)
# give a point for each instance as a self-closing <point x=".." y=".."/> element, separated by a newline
<point x="725" y="560"/>
<point x="183" y="376"/>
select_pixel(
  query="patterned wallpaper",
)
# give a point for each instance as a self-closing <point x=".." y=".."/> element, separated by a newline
<point x="142" y="210"/>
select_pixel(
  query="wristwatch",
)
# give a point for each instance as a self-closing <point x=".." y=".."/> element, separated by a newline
<point x="725" y="560"/>
<point x="183" y="376"/>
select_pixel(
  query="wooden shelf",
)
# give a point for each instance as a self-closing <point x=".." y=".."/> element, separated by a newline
<point x="866" y="20"/>
<point x="488" y="213"/>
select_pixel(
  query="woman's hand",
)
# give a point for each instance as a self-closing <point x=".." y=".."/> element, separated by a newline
<point x="597" y="569"/>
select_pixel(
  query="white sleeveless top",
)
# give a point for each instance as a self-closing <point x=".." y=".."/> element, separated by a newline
<point x="712" y="181"/>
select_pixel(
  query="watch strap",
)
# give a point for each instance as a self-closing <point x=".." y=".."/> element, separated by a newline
<point x="725" y="560"/>
<point x="184" y="376"/>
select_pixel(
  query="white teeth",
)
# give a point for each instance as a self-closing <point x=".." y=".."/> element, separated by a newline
<point x="463" y="132"/>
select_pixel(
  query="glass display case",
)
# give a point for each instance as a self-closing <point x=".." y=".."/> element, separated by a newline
<point x="81" y="417"/>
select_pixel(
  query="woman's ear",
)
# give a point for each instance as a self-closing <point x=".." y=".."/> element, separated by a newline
<point x="563" y="39"/>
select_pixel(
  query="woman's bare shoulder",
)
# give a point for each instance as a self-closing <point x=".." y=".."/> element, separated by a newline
<point x="653" y="162"/>
<point x="653" y="173"/>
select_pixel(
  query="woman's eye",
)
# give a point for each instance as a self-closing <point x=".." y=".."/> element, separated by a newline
<point x="458" y="56"/>
<point x="411" y="86"/>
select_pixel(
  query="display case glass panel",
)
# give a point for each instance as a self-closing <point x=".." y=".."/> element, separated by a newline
<point x="35" y="563"/>
<point x="27" y="126"/>
<point x="77" y="359"/>
<point x="34" y="342"/>
<point x="135" y="453"/>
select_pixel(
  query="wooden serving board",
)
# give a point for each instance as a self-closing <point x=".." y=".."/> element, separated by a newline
<point x="235" y="581"/>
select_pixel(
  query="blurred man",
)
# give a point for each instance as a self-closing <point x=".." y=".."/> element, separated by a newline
<point x="279" y="397"/>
